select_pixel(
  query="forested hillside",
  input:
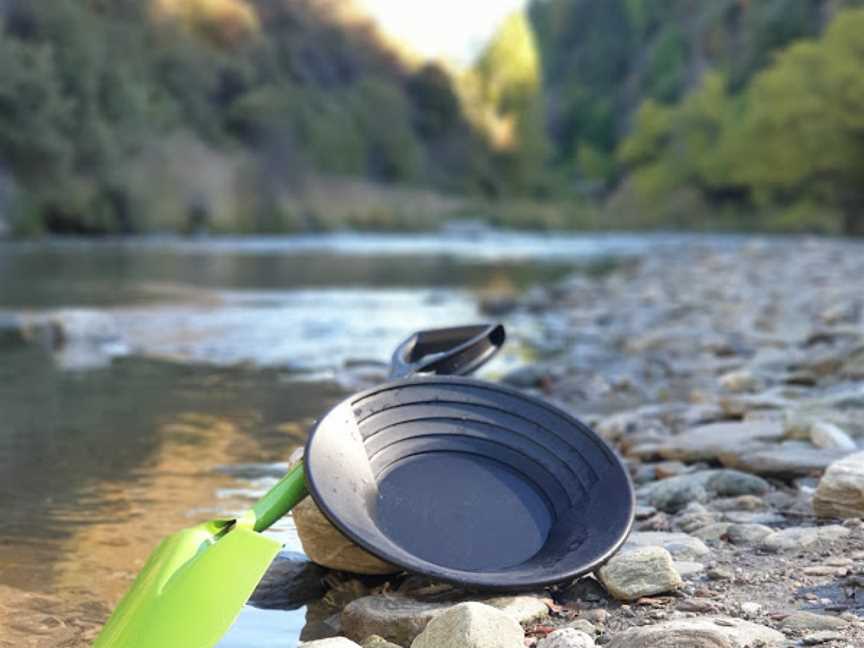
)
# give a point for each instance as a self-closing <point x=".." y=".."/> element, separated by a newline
<point x="279" y="115"/>
<point x="126" y="115"/>
<point x="747" y="110"/>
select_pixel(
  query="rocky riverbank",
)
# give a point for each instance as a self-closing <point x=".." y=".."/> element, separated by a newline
<point x="732" y="383"/>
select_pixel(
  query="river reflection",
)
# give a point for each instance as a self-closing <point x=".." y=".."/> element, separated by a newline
<point x="99" y="466"/>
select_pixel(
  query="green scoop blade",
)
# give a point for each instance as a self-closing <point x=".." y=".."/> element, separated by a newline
<point x="197" y="580"/>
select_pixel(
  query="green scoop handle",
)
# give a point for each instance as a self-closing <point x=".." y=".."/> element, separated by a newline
<point x="280" y="499"/>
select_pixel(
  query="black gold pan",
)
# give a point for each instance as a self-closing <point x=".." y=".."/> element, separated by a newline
<point x="469" y="482"/>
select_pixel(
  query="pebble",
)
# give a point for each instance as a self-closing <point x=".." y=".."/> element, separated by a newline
<point x="802" y="620"/>
<point x="754" y="517"/>
<point x="699" y="632"/>
<point x="713" y="532"/>
<point x="841" y="490"/>
<point x="680" y="545"/>
<point x="747" y="534"/>
<point x="640" y="572"/>
<point x="333" y="642"/>
<point x="742" y="380"/>
<point x="751" y="609"/>
<point x="400" y="619"/>
<point x="583" y="625"/>
<point x="823" y="636"/>
<point x="378" y="642"/>
<point x="584" y="589"/>
<point x="526" y="377"/>
<point x="824" y="570"/>
<point x="471" y="625"/>
<point x="697" y="604"/>
<point x="644" y="512"/>
<point x="828" y="435"/>
<point x="720" y="573"/>
<point x="797" y="538"/>
<point x="567" y="638"/>
<point x="673" y="494"/>
<point x="688" y="568"/>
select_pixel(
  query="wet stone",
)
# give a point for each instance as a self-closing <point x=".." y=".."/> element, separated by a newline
<point x="803" y="620"/>
<point x="395" y="618"/>
<point x="635" y="573"/>
<point x="797" y="538"/>
<point x="583" y="625"/>
<point x="841" y="490"/>
<point x="327" y="546"/>
<point x="526" y="377"/>
<point x="828" y="435"/>
<point x="378" y="642"/>
<point x="585" y="589"/>
<point x="688" y="568"/>
<point x="821" y="637"/>
<point x="471" y="625"/>
<point x="567" y="638"/>
<point x="673" y="494"/>
<point x="290" y="582"/>
<point x="747" y="534"/>
<point x="333" y="642"/>
<point x="791" y="458"/>
<point x="400" y="619"/>
<point x="680" y="545"/>
<point x="699" y="632"/>
<point x="709" y="442"/>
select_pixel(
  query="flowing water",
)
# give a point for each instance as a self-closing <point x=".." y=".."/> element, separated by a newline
<point x="165" y="381"/>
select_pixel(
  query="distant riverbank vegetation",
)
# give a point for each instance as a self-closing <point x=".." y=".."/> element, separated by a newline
<point x="129" y="116"/>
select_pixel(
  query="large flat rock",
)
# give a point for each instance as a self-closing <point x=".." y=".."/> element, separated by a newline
<point x="401" y="619"/>
<point x="673" y="494"/>
<point x="700" y="632"/>
<point x="790" y="459"/>
<point x="709" y="442"/>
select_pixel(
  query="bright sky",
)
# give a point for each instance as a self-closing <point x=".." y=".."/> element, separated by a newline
<point x="453" y="30"/>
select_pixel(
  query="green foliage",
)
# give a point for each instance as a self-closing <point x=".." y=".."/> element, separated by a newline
<point x="668" y="66"/>
<point x="683" y="145"/>
<point x="508" y="69"/>
<point x="35" y="117"/>
<point x="134" y="115"/>
<point x="603" y="60"/>
<point x="805" y="113"/>
<point x="504" y="96"/>
<point x="98" y="94"/>
<point x="790" y="145"/>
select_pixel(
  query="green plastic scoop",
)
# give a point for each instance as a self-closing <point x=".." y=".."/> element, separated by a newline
<point x="196" y="581"/>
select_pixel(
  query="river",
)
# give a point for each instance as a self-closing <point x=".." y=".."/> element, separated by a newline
<point x="167" y="380"/>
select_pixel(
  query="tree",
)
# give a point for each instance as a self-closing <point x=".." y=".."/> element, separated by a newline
<point x="504" y="97"/>
<point x="35" y="117"/>
<point x="805" y="124"/>
<point x="687" y="145"/>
